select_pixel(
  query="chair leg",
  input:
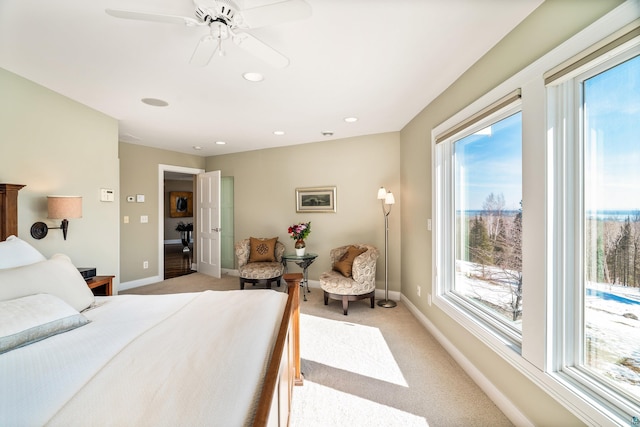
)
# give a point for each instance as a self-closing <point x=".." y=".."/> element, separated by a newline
<point x="241" y="283"/>
<point x="345" y="304"/>
<point x="373" y="302"/>
<point x="326" y="298"/>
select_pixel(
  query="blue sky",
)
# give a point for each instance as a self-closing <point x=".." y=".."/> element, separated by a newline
<point x="612" y="101"/>
<point x="491" y="163"/>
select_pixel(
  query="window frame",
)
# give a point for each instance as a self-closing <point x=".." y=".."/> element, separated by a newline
<point x="538" y="359"/>
<point x="445" y="218"/>
<point x="566" y="106"/>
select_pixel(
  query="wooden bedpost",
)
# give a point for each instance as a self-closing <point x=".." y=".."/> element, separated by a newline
<point x="293" y="280"/>
<point x="283" y="372"/>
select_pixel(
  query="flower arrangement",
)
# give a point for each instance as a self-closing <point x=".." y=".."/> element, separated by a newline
<point x="184" y="227"/>
<point x="300" y="231"/>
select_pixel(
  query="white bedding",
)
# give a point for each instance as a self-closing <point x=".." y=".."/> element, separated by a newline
<point x="182" y="359"/>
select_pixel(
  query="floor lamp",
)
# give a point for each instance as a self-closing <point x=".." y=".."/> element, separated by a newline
<point x="386" y="198"/>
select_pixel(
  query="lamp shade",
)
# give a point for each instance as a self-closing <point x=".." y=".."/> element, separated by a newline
<point x="64" y="207"/>
<point x="389" y="199"/>
<point x="382" y="193"/>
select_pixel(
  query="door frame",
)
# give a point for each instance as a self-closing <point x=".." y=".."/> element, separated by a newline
<point x="161" y="170"/>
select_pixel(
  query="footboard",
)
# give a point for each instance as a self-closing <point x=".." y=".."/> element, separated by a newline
<point x="283" y="371"/>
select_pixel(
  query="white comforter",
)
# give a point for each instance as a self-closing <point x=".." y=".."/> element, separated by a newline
<point x="182" y="359"/>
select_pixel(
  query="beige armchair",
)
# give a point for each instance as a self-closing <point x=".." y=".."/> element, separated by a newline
<point x="259" y="261"/>
<point x="353" y="275"/>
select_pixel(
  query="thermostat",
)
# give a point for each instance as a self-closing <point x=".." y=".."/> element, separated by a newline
<point x="106" y="195"/>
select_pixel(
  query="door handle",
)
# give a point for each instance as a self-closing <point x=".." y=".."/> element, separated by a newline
<point x="216" y="229"/>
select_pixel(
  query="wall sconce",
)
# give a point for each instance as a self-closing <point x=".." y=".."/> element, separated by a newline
<point x="387" y="200"/>
<point x="58" y="207"/>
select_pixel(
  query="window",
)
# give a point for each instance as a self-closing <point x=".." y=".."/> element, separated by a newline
<point x="536" y="240"/>
<point x="605" y="294"/>
<point x="483" y="157"/>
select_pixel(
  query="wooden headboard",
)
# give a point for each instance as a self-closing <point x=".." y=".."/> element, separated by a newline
<point x="9" y="210"/>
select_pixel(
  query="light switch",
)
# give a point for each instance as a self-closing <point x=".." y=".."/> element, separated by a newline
<point x="140" y="198"/>
<point x="144" y="219"/>
<point x="126" y="220"/>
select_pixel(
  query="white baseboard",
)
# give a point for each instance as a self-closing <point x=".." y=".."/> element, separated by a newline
<point x="136" y="283"/>
<point x="499" y="398"/>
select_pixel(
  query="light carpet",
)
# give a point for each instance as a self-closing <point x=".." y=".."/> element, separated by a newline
<point x="374" y="367"/>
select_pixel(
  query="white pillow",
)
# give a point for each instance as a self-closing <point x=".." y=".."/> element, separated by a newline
<point x="15" y="252"/>
<point x="29" y="319"/>
<point x="56" y="276"/>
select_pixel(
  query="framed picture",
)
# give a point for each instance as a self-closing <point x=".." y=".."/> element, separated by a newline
<point x="316" y="199"/>
<point x="181" y="204"/>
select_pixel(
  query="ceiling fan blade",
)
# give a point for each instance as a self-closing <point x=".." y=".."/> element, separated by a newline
<point x="277" y="13"/>
<point x="206" y="48"/>
<point x="259" y="49"/>
<point x="154" y="17"/>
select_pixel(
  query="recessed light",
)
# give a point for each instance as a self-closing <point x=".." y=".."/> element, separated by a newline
<point x="253" y="77"/>
<point x="155" y="102"/>
<point x="327" y="133"/>
<point x="278" y="132"/>
<point x="350" y="119"/>
<point x="220" y="143"/>
<point x="197" y="147"/>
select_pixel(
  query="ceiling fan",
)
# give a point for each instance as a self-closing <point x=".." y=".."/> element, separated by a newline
<point x="226" y="20"/>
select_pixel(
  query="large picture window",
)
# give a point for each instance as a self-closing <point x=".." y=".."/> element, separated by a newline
<point x="484" y="161"/>
<point x="607" y="300"/>
<point x="536" y="207"/>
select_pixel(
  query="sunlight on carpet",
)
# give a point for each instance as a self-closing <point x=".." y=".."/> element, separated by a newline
<point x="316" y="405"/>
<point x="355" y="348"/>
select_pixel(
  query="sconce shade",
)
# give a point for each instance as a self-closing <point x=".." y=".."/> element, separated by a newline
<point x="64" y="207"/>
<point x="58" y="207"/>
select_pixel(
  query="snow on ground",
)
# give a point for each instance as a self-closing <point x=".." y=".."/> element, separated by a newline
<point x="612" y="325"/>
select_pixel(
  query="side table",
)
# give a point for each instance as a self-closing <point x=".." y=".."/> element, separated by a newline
<point x="101" y="285"/>
<point x="303" y="261"/>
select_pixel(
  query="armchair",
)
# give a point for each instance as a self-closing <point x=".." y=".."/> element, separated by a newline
<point x="259" y="261"/>
<point x="353" y="275"/>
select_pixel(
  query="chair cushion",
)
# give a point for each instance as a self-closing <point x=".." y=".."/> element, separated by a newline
<point x="262" y="250"/>
<point x="345" y="263"/>
<point x="335" y="283"/>
<point x="261" y="270"/>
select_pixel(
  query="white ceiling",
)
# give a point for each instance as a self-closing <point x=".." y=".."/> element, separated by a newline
<point x="382" y="61"/>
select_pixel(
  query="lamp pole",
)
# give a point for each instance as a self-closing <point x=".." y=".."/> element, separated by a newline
<point x="387" y="200"/>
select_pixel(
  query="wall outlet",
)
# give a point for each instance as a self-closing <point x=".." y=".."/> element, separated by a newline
<point x="145" y="264"/>
<point x="418" y="290"/>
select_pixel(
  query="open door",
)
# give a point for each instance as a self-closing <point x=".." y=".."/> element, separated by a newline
<point x="208" y="220"/>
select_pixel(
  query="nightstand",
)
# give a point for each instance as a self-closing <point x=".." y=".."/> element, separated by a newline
<point x="101" y="285"/>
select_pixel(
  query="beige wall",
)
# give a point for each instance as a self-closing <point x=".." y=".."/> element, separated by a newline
<point x="265" y="206"/>
<point x="139" y="175"/>
<point x="551" y="24"/>
<point x="54" y="145"/>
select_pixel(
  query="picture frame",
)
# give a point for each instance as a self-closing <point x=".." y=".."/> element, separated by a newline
<point x="181" y="204"/>
<point x="316" y="199"/>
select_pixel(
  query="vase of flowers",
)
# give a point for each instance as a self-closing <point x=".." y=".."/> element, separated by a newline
<point x="185" y="234"/>
<point x="299" y="232"/>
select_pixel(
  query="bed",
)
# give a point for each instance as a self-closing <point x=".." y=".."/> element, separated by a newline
<point x="228" y="358"/>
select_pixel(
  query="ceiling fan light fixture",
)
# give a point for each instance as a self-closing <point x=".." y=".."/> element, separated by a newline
<point x="253" y="77"/>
